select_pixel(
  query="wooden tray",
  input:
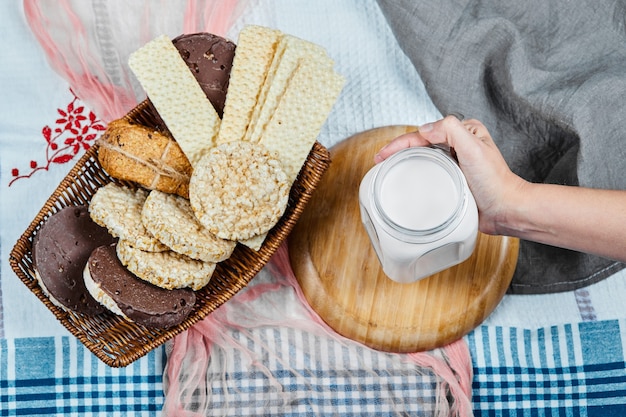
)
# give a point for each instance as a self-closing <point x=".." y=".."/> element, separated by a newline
<point x="114" y="340"/>
<point x="341" y="277"/>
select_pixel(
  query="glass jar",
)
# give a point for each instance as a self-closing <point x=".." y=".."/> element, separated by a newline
<point x="419" y="213"/>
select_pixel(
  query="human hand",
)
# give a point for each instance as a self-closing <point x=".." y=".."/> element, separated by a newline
<point x="494" y="186"/>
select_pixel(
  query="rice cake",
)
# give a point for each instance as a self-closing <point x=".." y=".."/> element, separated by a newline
<point x="170" y="219"/>
<point x="118" y="208"/>
<point x="210" y="59"/>
<point x="239" y="190"/>
<point x="124" y="294"/>
<point x="60" y="251"/>
<point x="166" y="269"/>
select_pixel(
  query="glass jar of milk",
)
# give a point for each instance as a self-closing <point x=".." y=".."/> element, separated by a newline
<point x="419" y="213"/>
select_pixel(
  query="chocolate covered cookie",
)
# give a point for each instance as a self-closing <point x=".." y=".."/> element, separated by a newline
<point x="61" y="249"/>
<point x="210" y="59"/>
<point x="124" y="294"/>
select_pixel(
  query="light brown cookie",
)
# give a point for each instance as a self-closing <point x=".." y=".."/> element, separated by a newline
<point x="238" y="190"/>
<point x="118" y="208"/>
<point x="146" y="156"/>
<point x="166" y="269"/>
<point x="170" y="219"/>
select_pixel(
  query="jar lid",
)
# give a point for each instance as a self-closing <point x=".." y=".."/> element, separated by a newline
<point x="420" y="192"/>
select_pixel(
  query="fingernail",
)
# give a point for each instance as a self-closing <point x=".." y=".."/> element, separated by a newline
<point x="459" y="116"/>
<point x="426" y="127"/>
<point x="378" y="158"/>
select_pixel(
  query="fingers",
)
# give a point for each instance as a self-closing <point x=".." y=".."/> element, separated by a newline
<point x="477" y="129"/>
<point x="404" y="141"/>
<point x="428" y="134"/>
<point x="464" y="136"/>
<point x="460" y="135"/>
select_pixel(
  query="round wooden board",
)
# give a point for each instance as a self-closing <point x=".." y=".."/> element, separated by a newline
<point x="341" y="277"/>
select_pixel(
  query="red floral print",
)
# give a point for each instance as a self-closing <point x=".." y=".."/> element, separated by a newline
<point x="74" y="131"/>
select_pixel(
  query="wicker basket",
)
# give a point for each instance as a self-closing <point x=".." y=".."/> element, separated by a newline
<point x="113" y="339"/>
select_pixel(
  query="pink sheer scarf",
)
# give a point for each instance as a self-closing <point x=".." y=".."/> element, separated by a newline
<point x="186" y="372"/>
<point x="88" y="44"/>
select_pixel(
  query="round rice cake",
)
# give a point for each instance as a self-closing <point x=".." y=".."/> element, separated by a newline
<point x="118" y="208"/>
<point x="170" y="219"/>
<point x="239" y="190"/>
<point x="166" y="269"/>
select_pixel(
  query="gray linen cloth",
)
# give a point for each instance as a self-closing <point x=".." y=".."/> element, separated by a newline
<point x="548" y="79"/>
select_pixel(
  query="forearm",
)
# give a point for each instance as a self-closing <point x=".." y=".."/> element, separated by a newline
<point x="582" y="219"/>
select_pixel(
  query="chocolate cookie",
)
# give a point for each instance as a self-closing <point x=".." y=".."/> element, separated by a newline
<point x="60" y="251"/>
<point x="126" y="295"/>
<point x="210" y="59"/>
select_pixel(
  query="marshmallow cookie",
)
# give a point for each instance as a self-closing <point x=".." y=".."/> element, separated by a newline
<point x="124" y="294"/>
<point x="210" y="59"/>
<point x="60" y="251"/>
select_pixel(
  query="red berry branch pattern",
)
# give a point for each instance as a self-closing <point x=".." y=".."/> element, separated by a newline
<point x="74" y="131"/>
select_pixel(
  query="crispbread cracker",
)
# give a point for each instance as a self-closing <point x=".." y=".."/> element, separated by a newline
<point x="166" y="269"/>
<point x="301" y="113"/>
<point x="177" y="96"/>
<point x="239" y="190"/>
<point x="289" y="53"/>
<point x="255" y="49"/>
<point x="118" y="208"/>
<point x="170" y="219"/>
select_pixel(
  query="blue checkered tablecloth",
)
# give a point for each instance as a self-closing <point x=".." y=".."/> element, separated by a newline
<point x="563" y="370"/>
<point x="58" y="376"/>
<point x="267" y="353"/>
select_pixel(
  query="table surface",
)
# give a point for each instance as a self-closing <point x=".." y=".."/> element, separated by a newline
<point x="533" y="353"/>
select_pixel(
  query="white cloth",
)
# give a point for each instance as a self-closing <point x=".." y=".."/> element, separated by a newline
<point x="382" y="89"/>
<point x="30" y="96"/>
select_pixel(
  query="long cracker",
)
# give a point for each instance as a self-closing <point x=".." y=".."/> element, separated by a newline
<point x="255" y="49"/>
<point x="301" y="113"/>
<point x="289" y="53"/>
<point x="177" y="96"/>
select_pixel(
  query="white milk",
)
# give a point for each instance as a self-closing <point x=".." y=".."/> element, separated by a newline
<point x="418" y="196"/>
<point x="419" y="213"/>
